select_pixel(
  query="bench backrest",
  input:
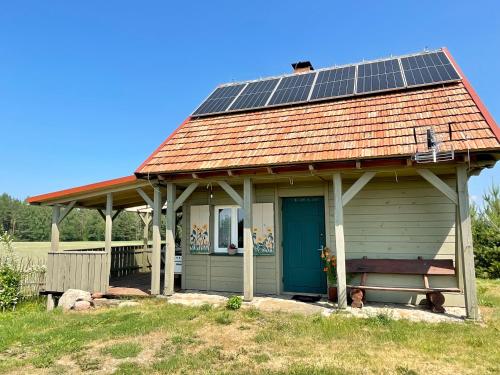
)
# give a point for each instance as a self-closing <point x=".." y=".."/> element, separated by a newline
<point x="401" y="266"/>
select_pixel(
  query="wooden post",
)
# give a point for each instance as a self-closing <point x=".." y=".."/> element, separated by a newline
<point x="156" y="256"/>
<point x="247" y="240"/>
<point x="146" y="219"/>
<point x="54" y="235"/>
<point x="170" y="241"/>
<point x="469" y="273"/>
<point x="339" y="241"/>
<point x="108" y="230"/>
<point x="459" y="255"/>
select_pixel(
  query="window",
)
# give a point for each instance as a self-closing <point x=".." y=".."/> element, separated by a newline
<point x="228" y="228"/>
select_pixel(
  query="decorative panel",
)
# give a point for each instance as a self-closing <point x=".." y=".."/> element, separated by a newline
<point x="199" y="238"/>
<point x="263" y="229"/>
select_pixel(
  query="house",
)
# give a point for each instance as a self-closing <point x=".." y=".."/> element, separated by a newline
<point x="369" y="159"/>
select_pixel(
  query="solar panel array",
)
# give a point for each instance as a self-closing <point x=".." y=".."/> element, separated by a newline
<point x="364" y="78"/>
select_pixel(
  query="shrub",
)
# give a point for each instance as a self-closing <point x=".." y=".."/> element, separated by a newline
<point x="10" y="276"/>
<point x="234" y="302"/>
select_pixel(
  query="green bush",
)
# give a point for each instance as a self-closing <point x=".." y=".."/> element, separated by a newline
<point x="486" y="233"/>
<point x="10" y="276"/>
<point x="234" y="302"/>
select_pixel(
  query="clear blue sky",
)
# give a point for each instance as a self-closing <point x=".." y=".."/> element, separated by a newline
<point x="89" y="89"/>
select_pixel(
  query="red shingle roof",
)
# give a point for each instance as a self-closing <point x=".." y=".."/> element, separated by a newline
<point x="378" y="126"/>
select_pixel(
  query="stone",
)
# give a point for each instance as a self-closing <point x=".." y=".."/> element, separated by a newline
<point x="82" y="305"/>
<point x="97" y="295"/>
<point x="71" y="296"/>
<point x="50" y="302"/>
<point x="128" y="304"/>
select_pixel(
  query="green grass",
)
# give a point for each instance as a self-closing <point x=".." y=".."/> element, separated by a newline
<point x="123" y="350"/>
<point x="181" y="339"/>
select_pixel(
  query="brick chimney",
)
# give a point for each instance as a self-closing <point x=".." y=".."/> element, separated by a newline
<point x="302" y="66"/>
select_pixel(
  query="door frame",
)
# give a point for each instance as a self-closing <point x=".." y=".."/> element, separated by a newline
<point x="321" y="191"/>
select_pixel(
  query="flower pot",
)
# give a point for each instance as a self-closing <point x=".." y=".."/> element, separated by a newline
<point x="332" y="293"/>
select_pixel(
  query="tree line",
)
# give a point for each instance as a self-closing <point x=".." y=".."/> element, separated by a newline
<point x="33" y="223"/>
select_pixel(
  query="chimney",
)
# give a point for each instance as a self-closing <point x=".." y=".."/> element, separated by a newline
<point x="302" y="66"/>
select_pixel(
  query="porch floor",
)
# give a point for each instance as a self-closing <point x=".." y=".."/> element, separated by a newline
<point x="323" y="307"/>
<point x="135" y="285"/>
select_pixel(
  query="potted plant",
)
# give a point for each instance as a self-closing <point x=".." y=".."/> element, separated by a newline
<point x="330" y="268"/>
<point x="232" y="249"/>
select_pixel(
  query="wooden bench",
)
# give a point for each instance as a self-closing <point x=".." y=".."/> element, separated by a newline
<point x="423" y="267"/>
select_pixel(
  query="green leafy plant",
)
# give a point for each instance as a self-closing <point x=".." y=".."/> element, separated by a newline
<point x="329" y="266"/>
<point x="10" y="276"/>
<point x="234" y="302"/>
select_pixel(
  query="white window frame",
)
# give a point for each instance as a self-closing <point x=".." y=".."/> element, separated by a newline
<point x="234" y="227"/>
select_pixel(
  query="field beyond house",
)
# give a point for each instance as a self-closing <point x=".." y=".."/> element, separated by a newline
<point x="157" y="337"/>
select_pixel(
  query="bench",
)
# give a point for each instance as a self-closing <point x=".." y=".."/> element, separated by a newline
<point x="423" y="267"/>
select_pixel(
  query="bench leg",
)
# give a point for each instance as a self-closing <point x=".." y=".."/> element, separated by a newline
<point x="436" y="301"/>
<point x="357" y="298"/>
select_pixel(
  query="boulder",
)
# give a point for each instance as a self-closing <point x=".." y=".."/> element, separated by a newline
<point x="82" y="305"/>
<point x="71" y="296"/>
<point x="100" y="302"/>
<point x="96" y="295"/>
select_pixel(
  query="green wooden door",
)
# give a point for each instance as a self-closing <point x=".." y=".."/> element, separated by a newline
<point x="303" y="234"/>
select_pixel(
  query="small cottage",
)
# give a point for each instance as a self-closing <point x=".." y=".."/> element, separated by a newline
<point x="369" y="160"/>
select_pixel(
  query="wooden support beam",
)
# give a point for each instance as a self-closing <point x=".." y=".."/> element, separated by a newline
<point x="311" y="167"/>
<point x="195" y="176"/>
<point x="156" y="256"/>
<point x="469" y="273"/>
<point x="108" y="231"/>
<point x="117" y="212"/>
<point x="247" y="240"/>
<point x="66" y="211"/>
<point x="144" y="196"/>
<point x="270" y="170"/>
<point x="358" y="164"/>
<point x="230" y="173"/>
<point x="438" y="184"/>
<point x="54" y="234"/>
<point x="339" y="241"/>
<point x="185" y="195"/>
<point x="231" y="192"/>
<point x="357" y="186"/>
<point x="101" y="213"/>
<point x="170" y="241"/>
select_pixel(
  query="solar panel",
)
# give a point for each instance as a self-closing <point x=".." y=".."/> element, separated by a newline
<point x="379" y="76"/>
<point x="363" y="78"/>
<point x="220" y="99"/>
<point x="293" y="89"/>
<point x="428" y="68"/>
<point x="255" y="94"/>
<point x="334" y="83"/>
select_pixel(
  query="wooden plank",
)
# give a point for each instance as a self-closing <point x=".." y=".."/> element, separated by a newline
<point x="146" y="197"/>
<point x="339" y="241"/>
<point x="170" y="240"/>
<point x="54" y="235"/>
<point x="156" y="251"/>
<point x="402" y="266"/>
<point x="185" y="195"/>
<point x="66" y="212"/>
<point x="438" y="184"/>
<point x="357" y="186"/>
<point x="247" y="240"/>
<point x="405" y="289"/>
<point x="231" y="192"/>
<point x="469" y="273"/>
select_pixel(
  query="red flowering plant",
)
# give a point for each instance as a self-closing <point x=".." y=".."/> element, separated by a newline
<point x="329" y="266"/>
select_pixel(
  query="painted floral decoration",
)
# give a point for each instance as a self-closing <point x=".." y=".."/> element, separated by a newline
<point x="263" y="243"/>
<point x="199" y="242"/>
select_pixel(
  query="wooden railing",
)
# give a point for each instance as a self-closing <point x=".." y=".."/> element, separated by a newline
<point x="90" y="269"/>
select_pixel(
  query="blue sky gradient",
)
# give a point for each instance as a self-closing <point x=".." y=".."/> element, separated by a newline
<point x="88" y="90"/>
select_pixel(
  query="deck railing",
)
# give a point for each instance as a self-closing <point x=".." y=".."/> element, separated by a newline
<point x="90" y="269"/>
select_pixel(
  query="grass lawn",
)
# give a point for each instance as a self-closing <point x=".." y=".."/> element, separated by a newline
<point x="40" y="249"/>
<point x="156" y="337"/>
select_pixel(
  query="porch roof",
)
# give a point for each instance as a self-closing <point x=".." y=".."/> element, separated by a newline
<point x="124" y="191"/>
<point x="388" y="125"/>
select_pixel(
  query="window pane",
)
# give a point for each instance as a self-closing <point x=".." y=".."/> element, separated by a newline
<point x="240" y="228"/>
<point x="224" y="239"/>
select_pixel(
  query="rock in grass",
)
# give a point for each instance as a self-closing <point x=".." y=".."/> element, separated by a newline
<point x="71" y="296"/>
<point x="128" y="304"/>
<point x="82" y="305"/>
